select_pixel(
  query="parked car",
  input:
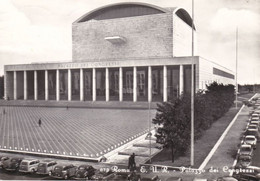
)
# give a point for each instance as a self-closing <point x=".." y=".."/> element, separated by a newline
<point x="85" y="172"/>
<point x="253" y="132"/>
<point x="244" y="161"/>
<point x="255" y="118"/>
<point x="226" y="179"/>
<point x="250" y="140"/>
<point x="245" y="150"/>
<point x="29" y="165"/>
<point x="12" y="164"/>
<point x="45" y="167"/>
<point x="2" y="159"/>
<point x="174" y="179"/>
<point x="63" y="171"/>
<point x="252" y="174"/>
<point x="252" y="126"/>
<point x="102" y="174"/>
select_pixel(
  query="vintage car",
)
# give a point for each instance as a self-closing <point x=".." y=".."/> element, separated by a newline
<point x="2" y="159"/>
<point x="245" y="150"/>
<point x="244" y="161"/>
<point x="250" y="140"/>
<point x="253" y="132"/>
<point x="29" y="165"/>
<point x="85" y="172"/>
<point x="63" y="171"/>
<point x="102" y="174"/>
<point x="226" y="179"/>
<point x="45" y="166"/>
<point x="12" y="164"/>
<point x="252" y="174"/>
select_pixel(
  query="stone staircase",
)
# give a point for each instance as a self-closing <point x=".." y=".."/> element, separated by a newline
<point x="144" y="148"/>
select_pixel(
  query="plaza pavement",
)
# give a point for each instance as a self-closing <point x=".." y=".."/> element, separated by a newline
<point x="84" y="132"/>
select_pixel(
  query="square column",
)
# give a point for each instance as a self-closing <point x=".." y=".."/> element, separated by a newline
<point x="181" y="83"/>
<point x="150" y="84"/>
<point x="81" y="82"/>
<point x="134" y="84"/>
<point x="69" y="84"/>
<point x="165" y="96"/>
<point x="15" y="85"/>
<point x="25" y="91"/>
<point x="107" y="84"/>
<point x="57" y="85"/>
<point x="46" y="86"/>
<point x="35" y="86"/>
<point x="120" y="84"/>
<point x="94" y="95"/>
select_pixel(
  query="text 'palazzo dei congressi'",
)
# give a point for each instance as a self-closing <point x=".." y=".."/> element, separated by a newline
<point x="121" y="52"/>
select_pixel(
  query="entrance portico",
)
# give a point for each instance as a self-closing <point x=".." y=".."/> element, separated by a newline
<point x="99" y="81"/>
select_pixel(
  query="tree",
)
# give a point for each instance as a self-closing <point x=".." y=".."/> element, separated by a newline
<point x="174" y="127"/>
<point x="173" y="117"/>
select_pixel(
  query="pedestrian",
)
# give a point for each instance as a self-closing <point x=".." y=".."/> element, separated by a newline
<point x="4" y="111"/>
<point x="131" y="163"/>
<point x="40" y="122"/>
<point x="67" y="107"/>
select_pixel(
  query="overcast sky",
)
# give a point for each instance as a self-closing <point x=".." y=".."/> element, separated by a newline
<point x="40" y="31"/>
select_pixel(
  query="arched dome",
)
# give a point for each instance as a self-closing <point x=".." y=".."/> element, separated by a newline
<point x="131" y="9"/>
<point x="121" y="10"/>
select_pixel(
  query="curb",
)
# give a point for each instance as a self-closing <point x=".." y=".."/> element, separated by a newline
<point x="52" y="155"/>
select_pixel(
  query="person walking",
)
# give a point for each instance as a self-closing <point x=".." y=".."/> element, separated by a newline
<point x="4" y="111"/>
<point x="131" y="163"/>
<point x="40" y="122"/>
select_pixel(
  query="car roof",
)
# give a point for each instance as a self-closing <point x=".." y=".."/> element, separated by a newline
<point x="250" y="136"/>
<point x="47" y="161"/>
<point x="64" y="164"/>
<point x="244" y="145"/>
<point x="29" y="159"/>
<point x="85" y="165"/>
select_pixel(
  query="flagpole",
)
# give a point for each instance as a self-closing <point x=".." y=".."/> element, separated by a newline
<point x="192" y="90"/>
<point x="236" y="63"/>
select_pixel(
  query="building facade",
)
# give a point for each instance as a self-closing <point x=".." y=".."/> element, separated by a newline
<point x="120" y="52"/>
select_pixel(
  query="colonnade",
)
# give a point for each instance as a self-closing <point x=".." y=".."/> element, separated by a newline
<point x="94" y="93"/>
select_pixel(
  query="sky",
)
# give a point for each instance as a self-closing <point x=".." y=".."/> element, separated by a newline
<point x="40" y="31"/>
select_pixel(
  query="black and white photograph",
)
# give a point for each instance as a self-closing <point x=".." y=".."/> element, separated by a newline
<point x="141" y="90"/>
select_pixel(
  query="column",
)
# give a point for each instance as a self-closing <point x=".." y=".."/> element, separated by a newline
<point x="120" y="84"/>
<point x="35" y="86"/>
<point x="94" y="97"/>
<point x="25" y="89"/>
<point x="149" y="84"/>
<point x="107" y="84"/>
<point x="181" y="81"/>
<point x="135" y="84"/>
<point x="69" y="84"/>
<point x="57" y="84"/>
<point x="46" y="86"/>
<point x="165" y="84"/>
<point x="15" y="85"/>
<point x="81" y="85"/>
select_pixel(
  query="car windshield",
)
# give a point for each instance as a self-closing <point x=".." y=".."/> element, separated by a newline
<point x="245" y="159"/>
<point x="250" y="139"/>
<point x="246" y="149"/>
<point x="14" y="160"/>
<point x="42" y="165"/>
<point x="58" y="168"/>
